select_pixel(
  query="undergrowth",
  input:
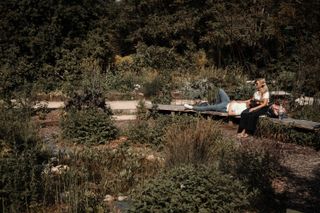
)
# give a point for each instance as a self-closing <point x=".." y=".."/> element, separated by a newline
<point x="90" y="126"/>
<point x="192" y="189"/>
<point x="288" y="134"/>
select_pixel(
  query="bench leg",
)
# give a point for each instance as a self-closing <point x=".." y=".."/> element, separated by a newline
<point x="231" y="122"/>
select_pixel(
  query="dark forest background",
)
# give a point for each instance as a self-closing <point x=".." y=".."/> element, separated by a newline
<point x="45" y="43"/>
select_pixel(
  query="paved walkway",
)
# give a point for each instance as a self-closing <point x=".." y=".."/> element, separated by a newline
<point x="115" y="105"/>
<point x="124" y="107"/>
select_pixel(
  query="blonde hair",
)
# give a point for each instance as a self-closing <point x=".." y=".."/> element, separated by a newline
<point x="263" y="85"/>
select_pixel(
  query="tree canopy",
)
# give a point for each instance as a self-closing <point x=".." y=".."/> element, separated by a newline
<point x="48" y="41"/>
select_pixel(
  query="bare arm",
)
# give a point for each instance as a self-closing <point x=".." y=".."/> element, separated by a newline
<point x="245" y="101"/>
<point x="231" y="113"/>
<point x="263" y="104"/>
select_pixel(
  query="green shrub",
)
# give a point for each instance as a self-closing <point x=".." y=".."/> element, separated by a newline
<point x="88" y="119"/>
<point x="242" y="92"/>
<point x="90" y="126"/>
<point x="195" y="143"/>
<point x="308" y="112"/>
<point x="159" y="89"/>
<point x="142" y="111"/>
<point x="21" y="161"/>
<point x="160" y="58"/>
<point x="287" y="134"/>
<point x="205" y="83"/>
<point x="94" y="173"/>
<point x="190" y="189"/>
<point x="151" y="131"/>
<point x="148" y="131"/>
<point x="16" y="130"/>
<point x="86" y="98"/>
<point x="257" y="165"/>
<point x="200" y="88"/>
<point x="122" y="81"/>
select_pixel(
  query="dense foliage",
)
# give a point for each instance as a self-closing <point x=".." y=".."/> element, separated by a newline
<point x="89" y="127"/>
<point x="92" y="174"/>
<point x="287" y="134"/>
<point x="152" y="131"/>
<point x="189" y="189"/>
<point x="46" y="42"/>
<point x="21" y="160"/>
<point x="87" y="47"/>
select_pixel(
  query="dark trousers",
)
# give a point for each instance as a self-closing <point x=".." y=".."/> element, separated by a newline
<point x="249" y="120"/>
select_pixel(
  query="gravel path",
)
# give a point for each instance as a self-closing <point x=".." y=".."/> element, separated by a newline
<point x="300" y="170"/>
<point x="114" y="105"/>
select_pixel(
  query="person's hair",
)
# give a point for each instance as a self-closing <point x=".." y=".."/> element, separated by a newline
<point x="263" y="85"/>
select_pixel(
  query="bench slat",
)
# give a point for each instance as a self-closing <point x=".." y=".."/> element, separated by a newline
<point x="304" y="124"/>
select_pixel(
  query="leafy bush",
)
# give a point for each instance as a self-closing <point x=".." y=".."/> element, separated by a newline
<point x="195" y="143"/>
<point x="88" y="120"/>
<point x="87" y="99"/>
<point x="308" y="112"/>
<point x="90" y="126"/>
<point x="160" y="58"/>
<point x="257" y="165"/>
<point x="190" y="189"/>
<point x="16" y="130"/>
<point x="242" y="92"/>
<point x="151" y="131"/>
<point x="94" y="173"/>
<point x="200" y="88"/>
<point x="159" y="89"/>
<point x="287" y="134"/>
<point x="21" y="160"/>
<point x="121" y="81"/>
<point x="89" y="92"/>
<point x="311" y="113"/>
<point x="205" y="83"/>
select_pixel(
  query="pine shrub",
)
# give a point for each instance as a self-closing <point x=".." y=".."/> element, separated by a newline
<point x="91" y="126"/>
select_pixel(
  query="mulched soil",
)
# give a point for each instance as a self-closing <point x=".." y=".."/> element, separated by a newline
<point x="300" y="171"/>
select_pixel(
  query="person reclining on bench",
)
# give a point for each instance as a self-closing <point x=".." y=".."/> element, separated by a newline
<point x="222" y="104"/>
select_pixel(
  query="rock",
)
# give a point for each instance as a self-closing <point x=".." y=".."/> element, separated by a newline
<point x="279" y="186"/>
<point x="108" y="198"/>
<point x="151" y="158"/>
<point x="58" y="170"/>
<point x="122" y="198"/>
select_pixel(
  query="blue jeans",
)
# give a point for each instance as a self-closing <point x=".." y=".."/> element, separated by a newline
<point x="222" y="100"/>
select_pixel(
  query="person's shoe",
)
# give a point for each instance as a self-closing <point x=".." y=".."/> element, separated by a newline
<point x="239" y="135"/>
<point x="245" y="135"/>
<point x="187" y="106"/>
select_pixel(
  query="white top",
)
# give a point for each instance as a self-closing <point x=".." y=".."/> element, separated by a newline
<point x="236" y="107"/>
<point x="257" y="96"/>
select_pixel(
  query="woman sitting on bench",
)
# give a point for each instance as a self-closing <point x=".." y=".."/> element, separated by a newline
<point x="258" y="106"/>
<point x="222" y="104"/>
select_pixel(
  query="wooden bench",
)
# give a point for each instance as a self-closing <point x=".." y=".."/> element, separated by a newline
<point x="173" y="109"/>
<point x="296" y="123"/>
